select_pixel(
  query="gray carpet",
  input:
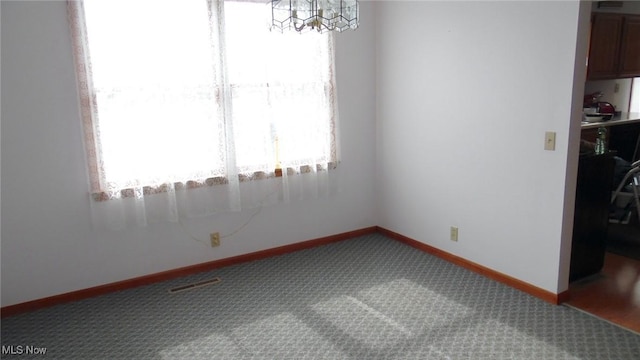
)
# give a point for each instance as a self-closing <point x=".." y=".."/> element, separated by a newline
<point x="366" y="298"/>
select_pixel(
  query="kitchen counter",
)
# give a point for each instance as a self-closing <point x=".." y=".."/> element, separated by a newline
<point x="622" y="135"/>
<point x="622" y="119"/>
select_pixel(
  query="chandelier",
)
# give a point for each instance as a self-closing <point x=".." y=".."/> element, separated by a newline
<point x="319" y="15"/>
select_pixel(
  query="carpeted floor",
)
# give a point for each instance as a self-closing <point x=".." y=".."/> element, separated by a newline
<point x="366" y="298"/>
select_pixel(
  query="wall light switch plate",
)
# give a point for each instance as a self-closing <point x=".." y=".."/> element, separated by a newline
<point x="550" y="140"/>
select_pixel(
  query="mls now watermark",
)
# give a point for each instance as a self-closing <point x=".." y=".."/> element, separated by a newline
<point x="23" y="350"/>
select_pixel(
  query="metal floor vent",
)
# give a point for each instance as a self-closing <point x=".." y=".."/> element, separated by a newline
<point x="194" y="285"/>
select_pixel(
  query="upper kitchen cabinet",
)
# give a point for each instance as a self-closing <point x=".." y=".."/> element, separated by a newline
<point x="614" y="50"/>
<point x="604" y="46"/>
<point x="630" y="47"/>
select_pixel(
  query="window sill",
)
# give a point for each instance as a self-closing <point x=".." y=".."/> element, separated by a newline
<point x="149" y="190"/>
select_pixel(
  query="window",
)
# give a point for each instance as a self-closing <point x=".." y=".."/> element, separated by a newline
<point x="199" y="92"/>
<point x="634" y="103"/>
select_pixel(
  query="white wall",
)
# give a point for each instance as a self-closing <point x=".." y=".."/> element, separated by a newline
<point x="465" y="93"/>
<point x="48" y="245"/>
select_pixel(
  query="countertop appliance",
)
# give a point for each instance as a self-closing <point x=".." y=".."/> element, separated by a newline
<point x="601" y="107"/>
<point x="605" y="107"/>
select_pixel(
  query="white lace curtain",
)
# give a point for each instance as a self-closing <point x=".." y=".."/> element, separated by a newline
<point x="186" y="105"/>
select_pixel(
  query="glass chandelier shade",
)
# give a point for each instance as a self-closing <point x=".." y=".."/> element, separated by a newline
<point x="319" y="15"/>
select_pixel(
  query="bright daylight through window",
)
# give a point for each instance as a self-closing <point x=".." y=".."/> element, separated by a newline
<point x="634" y="103"/>
<point x="196" y="92"/>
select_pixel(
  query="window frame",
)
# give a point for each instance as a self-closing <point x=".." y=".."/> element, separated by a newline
<point x="89" y="115"/>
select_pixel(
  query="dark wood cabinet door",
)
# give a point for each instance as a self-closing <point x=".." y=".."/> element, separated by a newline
<point x="591" y="217"/>
<point x="606" y="31"/>
<point x="624" y="139"/>
<point x="630" y="47"/>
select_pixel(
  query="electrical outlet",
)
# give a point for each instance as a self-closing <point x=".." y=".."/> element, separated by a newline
<point x="454" y="234"/>
<point x="215" y="239"/>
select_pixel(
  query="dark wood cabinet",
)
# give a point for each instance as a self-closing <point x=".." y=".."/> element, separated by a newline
<point x="591" y="218"/>
<point x="604" y="46"/>
<point x="624" y="139"/>
<point x="614" y="46"/>
<point x="630" y="47"/>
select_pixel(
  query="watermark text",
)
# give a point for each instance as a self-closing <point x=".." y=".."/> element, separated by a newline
<point x="23" y="350"/>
